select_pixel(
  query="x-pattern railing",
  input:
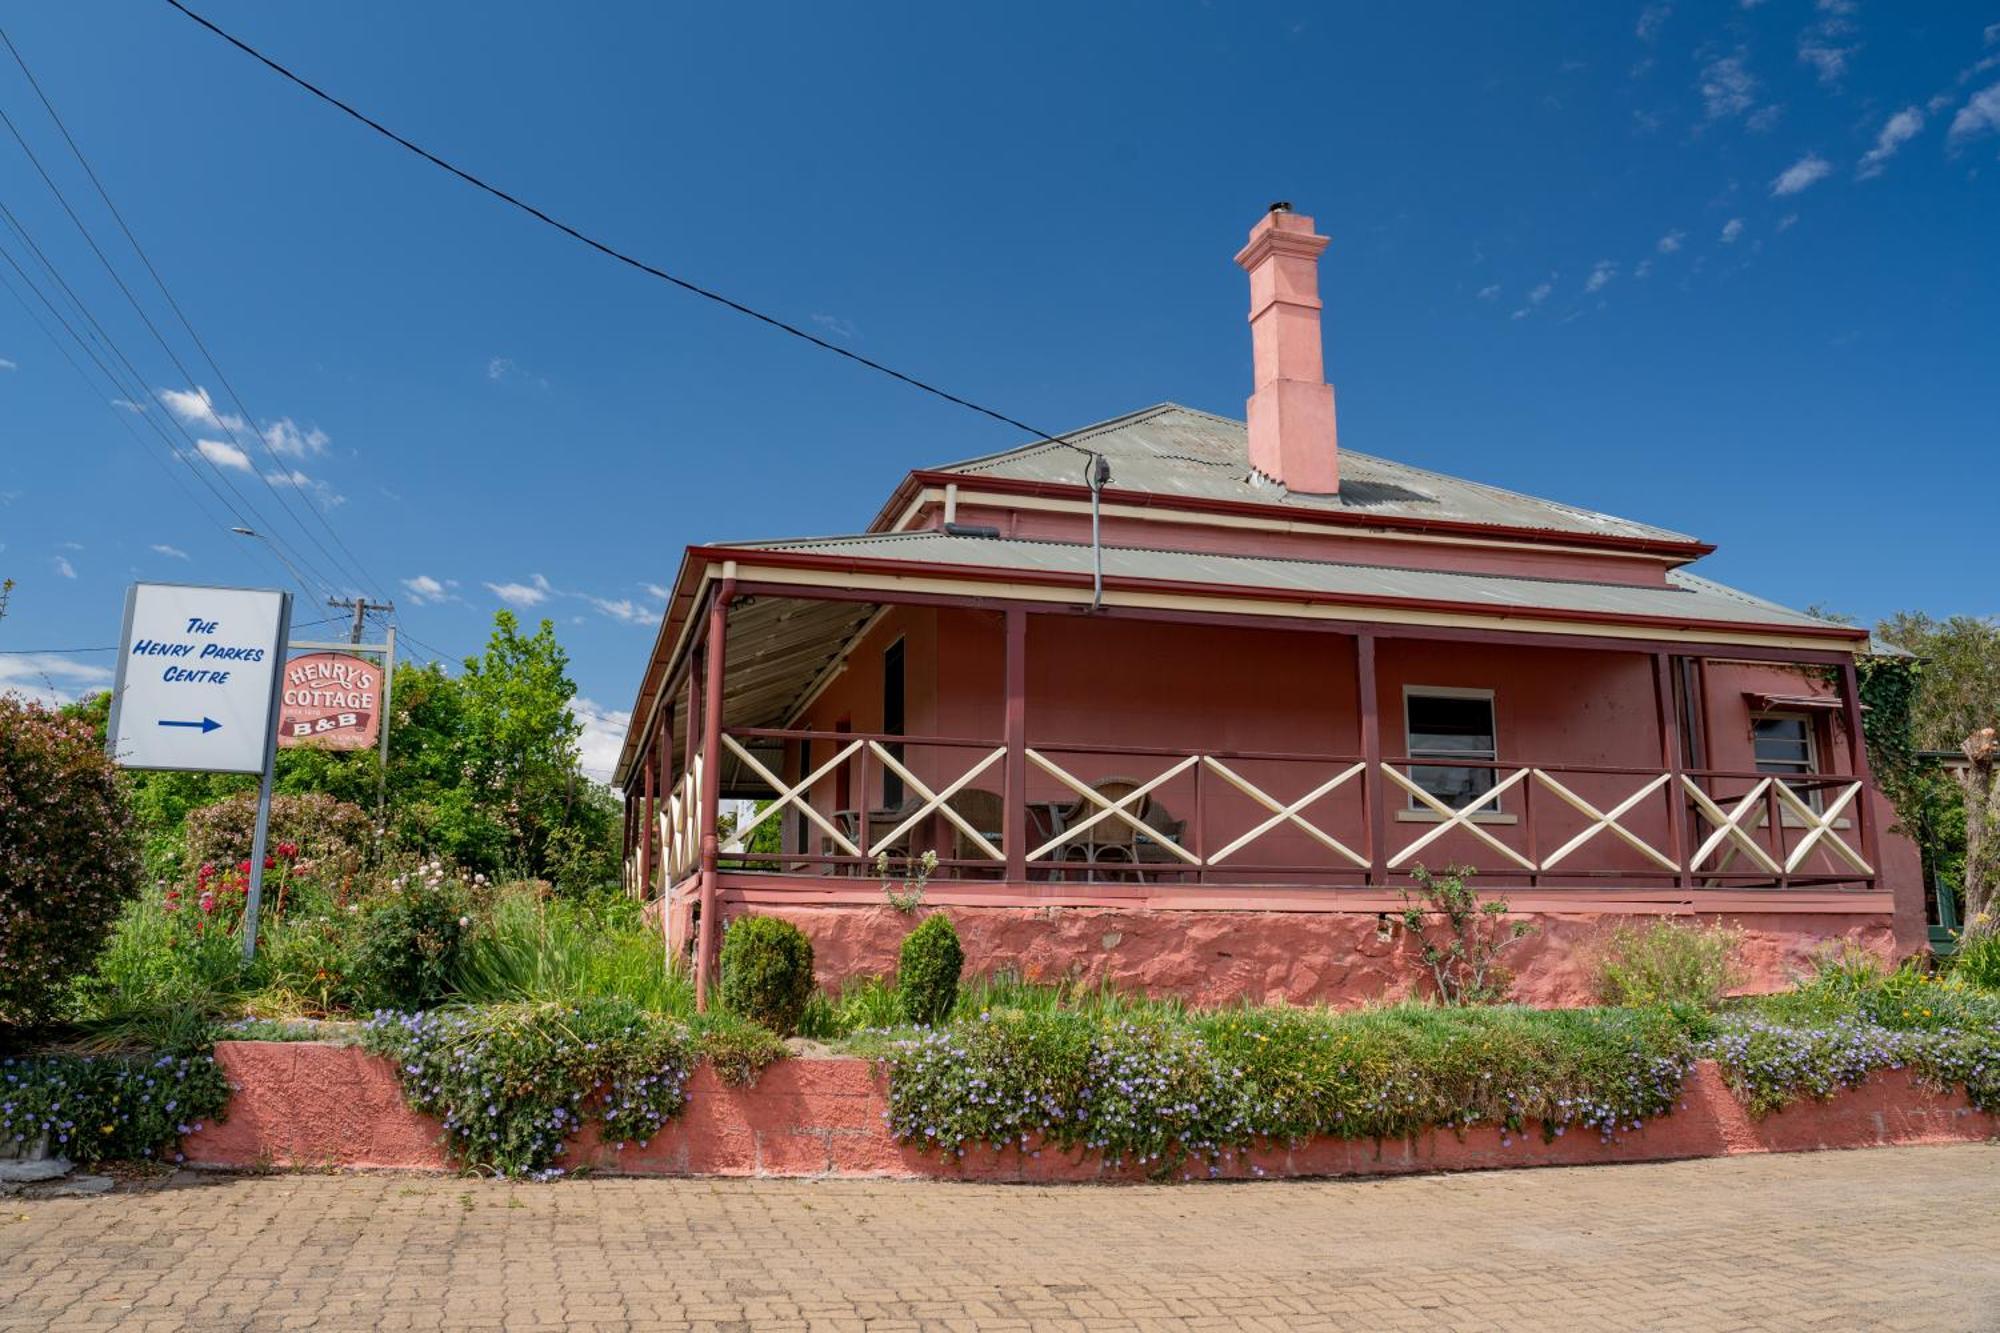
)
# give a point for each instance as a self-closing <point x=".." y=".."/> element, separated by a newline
<point x="1285" y="813"/>
<point x="1736" y="827"/>
<point x="1125" y="808"/>
<point x="1746" y="826"/>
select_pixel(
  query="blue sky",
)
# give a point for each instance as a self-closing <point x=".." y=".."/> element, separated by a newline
<point x="1729" y="268"/>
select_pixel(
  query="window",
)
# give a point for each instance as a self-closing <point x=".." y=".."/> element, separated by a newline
<point x="892" y="720"/>
<point x="1450" y="724"/>
<point x="1784" y="743"/>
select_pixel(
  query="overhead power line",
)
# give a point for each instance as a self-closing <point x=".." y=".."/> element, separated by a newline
<point x="133" y="389"/>
<point x="153" y="329"/>
<point x="612" y="252"/>
<point x="354" y="565"/>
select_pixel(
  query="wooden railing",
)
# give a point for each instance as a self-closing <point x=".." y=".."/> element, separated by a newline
<point x="1102" y="813"/>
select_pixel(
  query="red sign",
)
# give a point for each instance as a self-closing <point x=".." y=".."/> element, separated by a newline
<point x="332" y="700"/>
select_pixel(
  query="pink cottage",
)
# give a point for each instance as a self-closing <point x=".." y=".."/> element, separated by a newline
<point x="1179" y="702"/>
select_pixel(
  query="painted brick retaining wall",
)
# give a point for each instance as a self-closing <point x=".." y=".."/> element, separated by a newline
<point x="304" y="1104"/>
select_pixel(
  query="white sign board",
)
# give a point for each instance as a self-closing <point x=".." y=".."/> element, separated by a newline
<point x="197" y="672"/>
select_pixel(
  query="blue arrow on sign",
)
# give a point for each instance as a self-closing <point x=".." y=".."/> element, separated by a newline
<point x="207" y="725"/>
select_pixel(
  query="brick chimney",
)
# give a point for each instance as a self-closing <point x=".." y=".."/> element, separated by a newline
<point x="1292" y="437"/>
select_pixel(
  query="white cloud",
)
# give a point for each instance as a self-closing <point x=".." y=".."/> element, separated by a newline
<point x="1727" y="87"/>
<point x="1819" y="45"/>
<point x="1787" y="222"/>
<point x="423" y="588"/>
<point x="624" y="610"/>
<point x="288" y="441"/>
<point x="173" y="552"/>
<point x="1900" y="128"/>
<point x="64" y="567"/>
<point x="223" y="454"/>
<point x="1731" y="230"/>
<point x="1651" y="18"/>
<point x="501" y="368"/>
<point x="197" y="408"/>
<point x="1489" y="292"/>
<point x="1765" y="118"/>
<point x="51" y="677"/>
<point x="5" y="364"/>
<point x="603" y="736"/>
<point x="522" y="594"/>
<point x="655" y="590"/>
<point x="1670" y="242"/>
<point x="838" y="327"/>
<point x="1980" y="115"/>
<point x="1807" y="171"/>
<point x="1601" y="274"/>
<point x="127" y="405"/>
<point x="1536" y="295"/>
<point x="313" y="486"/>
<point x="1642" y="268"/>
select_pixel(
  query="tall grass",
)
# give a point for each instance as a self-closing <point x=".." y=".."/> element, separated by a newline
<point x="536" y="949"/>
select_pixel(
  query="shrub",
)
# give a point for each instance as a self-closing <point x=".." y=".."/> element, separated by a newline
<point x="1977" y="961"/>
<point x="1669" y="963"/>
<point x="1465" y="966"/>
<point x="68" y="859"/>
<point x="161" y="978"/>
<point x="406" y="953"/>
<point x="927" y="971"/>
<point x="330" y="838"/>
<point x="767" y="972"/>
<point x="512" y="1082"/>
<point x="89" y="1108"/>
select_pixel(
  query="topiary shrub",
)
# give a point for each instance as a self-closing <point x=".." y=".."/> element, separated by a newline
<point x="68" y="859"/>
<point x="331" y="837"/>
<point x="408" y="949"/>
<point x="1669" y="963"/>
<point x="927" y="971"/>
<point x="767" y="972"/>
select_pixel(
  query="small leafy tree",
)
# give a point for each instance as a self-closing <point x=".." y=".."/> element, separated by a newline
<point x="1465" y="962"/>
<point x="68" y="860"/>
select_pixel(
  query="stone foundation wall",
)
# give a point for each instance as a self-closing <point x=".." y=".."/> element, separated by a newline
<point x="1343" y="959"/>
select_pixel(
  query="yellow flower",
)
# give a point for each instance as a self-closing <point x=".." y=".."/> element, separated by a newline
<point x="104" y="1129"/>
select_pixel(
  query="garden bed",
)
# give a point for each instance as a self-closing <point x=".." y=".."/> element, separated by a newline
<point x="310" y="1105"/>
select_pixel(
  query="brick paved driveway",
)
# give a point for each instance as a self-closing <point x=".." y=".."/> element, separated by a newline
<point x="1889" y="1237"/>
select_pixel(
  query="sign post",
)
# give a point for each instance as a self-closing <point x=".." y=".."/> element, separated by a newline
<point x="198" y="690"/>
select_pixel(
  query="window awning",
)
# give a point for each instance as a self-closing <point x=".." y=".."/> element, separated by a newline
<point x="1764" y="701"/>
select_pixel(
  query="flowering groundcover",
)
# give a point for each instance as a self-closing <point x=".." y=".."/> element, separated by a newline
<point x="90" y="1108"/>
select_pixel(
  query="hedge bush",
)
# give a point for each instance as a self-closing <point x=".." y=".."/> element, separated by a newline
<point x="407" y="952"/>
<point x="927" y="971"/>
<point x="1669" y="963"/>
<point x="767" y="972"/>
<point x="332" y="837"/>
<point x="68" y="857"/>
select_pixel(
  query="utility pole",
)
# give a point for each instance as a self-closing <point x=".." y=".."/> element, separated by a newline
<point x="362" y="606"/>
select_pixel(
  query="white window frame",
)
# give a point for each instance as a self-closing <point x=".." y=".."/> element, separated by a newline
<point x="1816" y="796"/>
<point x="1416" y="812"/>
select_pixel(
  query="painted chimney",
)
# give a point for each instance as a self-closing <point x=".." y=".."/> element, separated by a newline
<point x="1292" y="437"/>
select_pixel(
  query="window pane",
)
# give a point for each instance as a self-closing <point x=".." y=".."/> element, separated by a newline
<point x="1783" y="745"/>
<point x="1456" y="787"/>
<point x="1443" y="726"/>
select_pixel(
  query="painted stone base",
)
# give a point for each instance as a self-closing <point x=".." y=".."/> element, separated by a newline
<point x="1211" y="958"/>
<point x="304" y="1105"/>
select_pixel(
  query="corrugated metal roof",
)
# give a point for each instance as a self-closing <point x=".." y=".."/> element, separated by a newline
<point x="1175" y="450"/>
<point x="1687" y="597"/>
